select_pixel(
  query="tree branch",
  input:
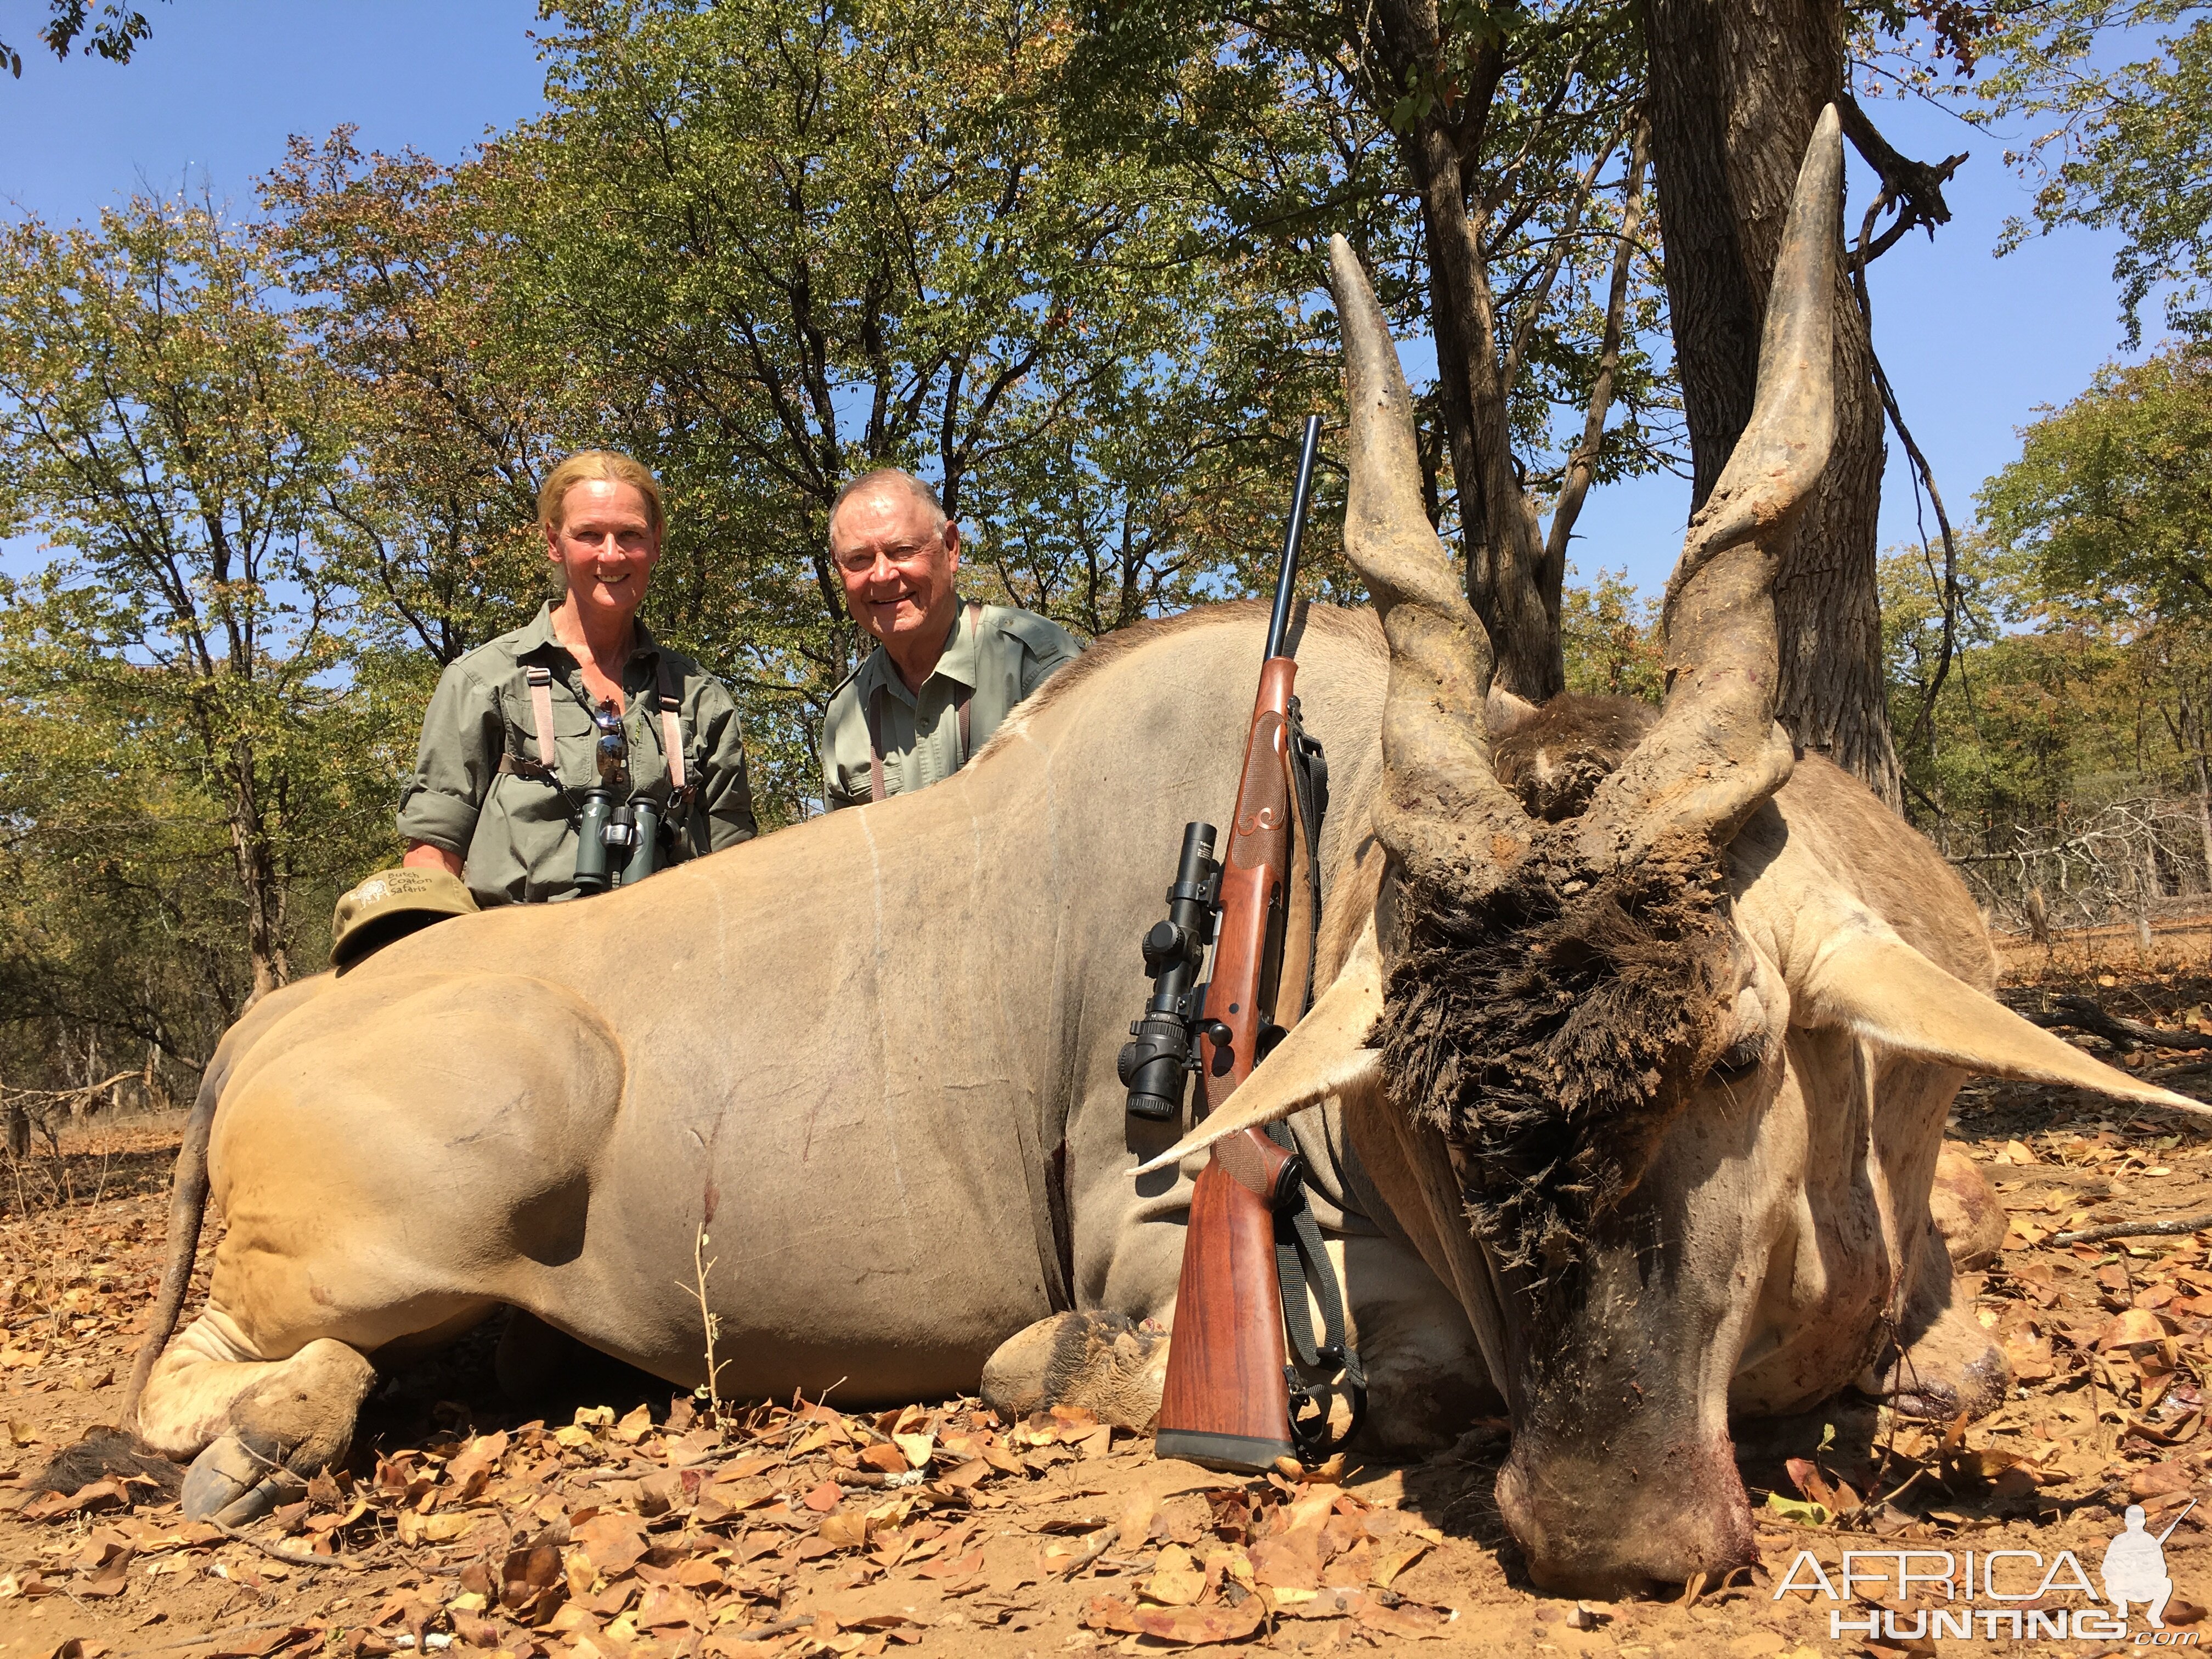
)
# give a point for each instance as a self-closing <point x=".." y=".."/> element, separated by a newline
<point x="1915" y="187"/>
<point x="2086" y="1016"/>
<point x="2181" y="1223"/>
<point x="1924" y="723"/>
<point x="1582" y="467"/>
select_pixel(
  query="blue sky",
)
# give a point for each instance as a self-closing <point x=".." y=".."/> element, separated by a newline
<point x="1973" y="343"/>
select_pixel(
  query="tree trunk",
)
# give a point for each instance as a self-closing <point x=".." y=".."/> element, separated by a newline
<point x="1736" y="87"/>
<point x="1512" y="582"/>
<point x="257" y="878"/>
<point x="2205" y="814"/>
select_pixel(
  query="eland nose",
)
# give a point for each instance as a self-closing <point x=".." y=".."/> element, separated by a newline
<point x="1657" y="1514"/>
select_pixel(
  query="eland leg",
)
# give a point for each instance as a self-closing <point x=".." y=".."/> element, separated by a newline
<point x="265" y="1425"/>
<point x="1426" y="1380"/>
<point x="380" y="1200"/>
<point x="1966" y="1211"/>
<point x="1106" y="1362"/>
<point x="1943" y="1363"/>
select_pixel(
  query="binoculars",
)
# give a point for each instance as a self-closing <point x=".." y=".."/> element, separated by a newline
<point x="619" y="839"/>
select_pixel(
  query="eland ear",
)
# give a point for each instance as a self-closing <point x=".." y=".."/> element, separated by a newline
<point x="1880" y="989"/>
<point x="1324" y="1055"/>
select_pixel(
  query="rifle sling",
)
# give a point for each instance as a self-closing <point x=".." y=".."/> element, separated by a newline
<point x="1309" y="784"/>
<point x="1301" y="1260"/>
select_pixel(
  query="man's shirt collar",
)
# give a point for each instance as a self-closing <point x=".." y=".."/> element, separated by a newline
<point x="958" y="663"/>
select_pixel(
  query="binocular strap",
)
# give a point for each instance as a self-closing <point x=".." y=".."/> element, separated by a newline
<point x="672" y="724"/>
<point x="547" y="766"/>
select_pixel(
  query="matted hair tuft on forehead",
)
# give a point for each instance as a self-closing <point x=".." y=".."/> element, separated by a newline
<point x="881" y="474"/>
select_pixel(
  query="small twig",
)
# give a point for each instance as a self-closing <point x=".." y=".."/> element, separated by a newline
<point x="2096" y="1407"/>
<point x="632" y="1477"/>
<point x="798" y="1422"/>
<point x="278" y="1553"/>
<point x="1093" y="1546"/>
<point x="765" y="1632"/>
<point x="201" y="1641"/>
<point x="2087" y="1016"/>
<point x="1898" y="1491"/>
<point x="2181" y="1223"/>
<point x="876" y="1477"/>
<point x="708" y="1322"/>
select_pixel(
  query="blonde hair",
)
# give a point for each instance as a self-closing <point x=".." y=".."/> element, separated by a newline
<point x="608" y="465"/>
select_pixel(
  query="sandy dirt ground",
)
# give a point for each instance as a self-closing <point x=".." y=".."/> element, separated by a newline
<point x="620" y="1523"/>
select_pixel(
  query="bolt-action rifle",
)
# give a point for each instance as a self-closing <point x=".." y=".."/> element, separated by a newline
<point x="1226" y="1402"/>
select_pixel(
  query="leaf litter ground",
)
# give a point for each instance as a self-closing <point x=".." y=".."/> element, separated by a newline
<point x="628" y="1525"/>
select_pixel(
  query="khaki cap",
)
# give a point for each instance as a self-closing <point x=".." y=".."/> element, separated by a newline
<point x="391" y="904"/>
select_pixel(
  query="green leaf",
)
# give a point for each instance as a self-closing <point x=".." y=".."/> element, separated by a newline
<point x="1797" y="1510"/>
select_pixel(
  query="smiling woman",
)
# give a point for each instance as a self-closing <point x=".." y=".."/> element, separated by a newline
<point x="511" y="739"/>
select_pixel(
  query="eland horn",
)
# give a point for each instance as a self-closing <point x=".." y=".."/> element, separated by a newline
<point x="1441" y="813"/>
<point x="1716" y="753"/>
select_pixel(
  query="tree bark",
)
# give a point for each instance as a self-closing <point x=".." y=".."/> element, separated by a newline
<point x="1736" y="87"/>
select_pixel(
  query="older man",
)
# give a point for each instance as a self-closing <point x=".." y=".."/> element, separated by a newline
<point x="943" y="674"/>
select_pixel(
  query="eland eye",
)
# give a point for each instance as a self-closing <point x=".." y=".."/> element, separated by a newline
<point x="1741" y="1060"/>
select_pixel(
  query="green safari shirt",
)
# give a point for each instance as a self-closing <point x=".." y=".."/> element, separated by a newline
<point x="996" y="660"/>
<point x="514" y="831"/>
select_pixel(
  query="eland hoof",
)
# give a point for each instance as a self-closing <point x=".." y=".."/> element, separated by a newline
<point x="231" y="1484"/>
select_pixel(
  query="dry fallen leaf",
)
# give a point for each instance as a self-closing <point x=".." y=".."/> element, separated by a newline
<point x="1177" y="1580"/>
<point x="945" y="1571"/>
<point x="615" y="1542"/>
<point x="1399" y="1554"/>
<point x="2160" y="1479"/>
<point x="1135" y="1526"/>
<point x="1408" y="1620"/>
<point x="2131" y="1327"/>
<point x="846" y="1531"/>
<point x="916" y="1449"/>
<point x="1189" y="1626"/>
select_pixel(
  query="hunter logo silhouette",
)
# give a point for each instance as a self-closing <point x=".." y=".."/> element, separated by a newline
<point x="2134" y="1567"/>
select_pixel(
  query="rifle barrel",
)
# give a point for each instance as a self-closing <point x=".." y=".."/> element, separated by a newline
<point x="1286" y="577"/>
<point x="2176" y="1521"/>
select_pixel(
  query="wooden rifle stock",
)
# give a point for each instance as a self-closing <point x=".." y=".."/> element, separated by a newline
<point x="1226" y="1402"/>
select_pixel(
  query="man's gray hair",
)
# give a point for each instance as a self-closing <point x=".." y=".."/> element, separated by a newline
<point x="883" y="475"/>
